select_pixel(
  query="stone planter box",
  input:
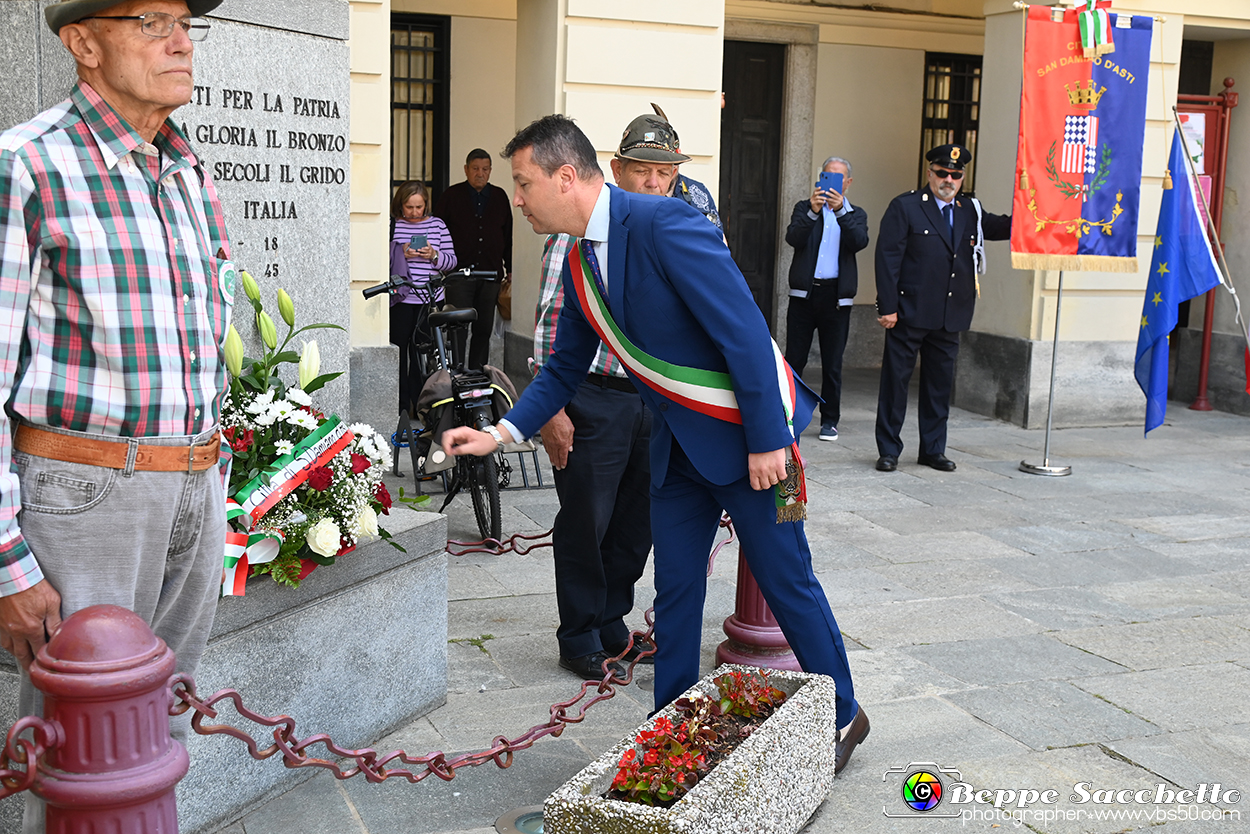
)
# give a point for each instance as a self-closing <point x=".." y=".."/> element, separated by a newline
<point x="359" y="649"/>
<point x="772" y="782"/>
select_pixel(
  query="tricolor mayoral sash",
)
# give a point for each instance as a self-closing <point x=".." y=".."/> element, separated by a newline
<point x="1079" y="159"/>
<point x="707" y="392"/>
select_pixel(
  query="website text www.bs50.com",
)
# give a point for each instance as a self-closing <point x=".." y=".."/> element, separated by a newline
<point x="930" y="791"/>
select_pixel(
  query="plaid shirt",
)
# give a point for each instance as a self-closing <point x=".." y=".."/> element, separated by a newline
<point x="551" y="301"/>
<point x="112" y="315"/>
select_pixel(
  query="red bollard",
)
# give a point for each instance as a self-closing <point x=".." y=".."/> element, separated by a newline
<point x="105" y="678"/>
<point x="755" y="639"/>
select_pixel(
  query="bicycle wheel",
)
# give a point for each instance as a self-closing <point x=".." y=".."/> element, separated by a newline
<point x="483" y="483"/>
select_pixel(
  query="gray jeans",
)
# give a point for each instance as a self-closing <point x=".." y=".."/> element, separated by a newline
<point x="148" y="541"/>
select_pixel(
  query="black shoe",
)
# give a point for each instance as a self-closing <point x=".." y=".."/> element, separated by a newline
<point x="641" y="644"/>
<point x="887" y="463"/>
<point x="590" y="666"/>
<point x="940" y="462"/>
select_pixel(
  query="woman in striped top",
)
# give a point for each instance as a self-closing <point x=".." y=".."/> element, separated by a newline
<point x="410" y="305"/>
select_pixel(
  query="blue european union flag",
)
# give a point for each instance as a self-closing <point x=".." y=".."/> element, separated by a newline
<point x="1183" y="266"/>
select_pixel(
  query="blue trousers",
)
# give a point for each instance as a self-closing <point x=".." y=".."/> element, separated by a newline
<point x="685" y="513"/>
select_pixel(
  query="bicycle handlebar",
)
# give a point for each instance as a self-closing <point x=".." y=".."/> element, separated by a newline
<point x="436" y="281"/>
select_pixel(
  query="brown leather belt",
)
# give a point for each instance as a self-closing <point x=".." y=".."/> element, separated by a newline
<point x="113" y="454"/>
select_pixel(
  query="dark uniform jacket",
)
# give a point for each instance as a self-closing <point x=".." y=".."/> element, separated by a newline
<point x="804" y="235"/>
<point x="481" y="242"/>
<point x="920" y="276"/>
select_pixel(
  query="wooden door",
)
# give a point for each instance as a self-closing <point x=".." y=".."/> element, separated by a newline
<point x="754" y="75"/>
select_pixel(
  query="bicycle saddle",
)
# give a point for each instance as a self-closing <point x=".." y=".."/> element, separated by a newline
<point x="453" y="317"/>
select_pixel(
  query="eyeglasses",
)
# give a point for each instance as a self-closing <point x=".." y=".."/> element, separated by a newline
<point x="942" y="173"/>
<point x="161" y="25"/>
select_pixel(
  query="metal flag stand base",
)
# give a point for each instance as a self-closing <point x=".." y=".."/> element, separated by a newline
<point x="1045" y="468"/>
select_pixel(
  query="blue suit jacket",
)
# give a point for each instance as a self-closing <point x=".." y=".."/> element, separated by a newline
<point x="676" y="293"/>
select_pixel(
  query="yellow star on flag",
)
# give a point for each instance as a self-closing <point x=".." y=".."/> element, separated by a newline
<point x="1158" y="242"/>
<point x="1158" y="299"/>
<point x="1163" y="267"/>
<point x="1143" y="322"/>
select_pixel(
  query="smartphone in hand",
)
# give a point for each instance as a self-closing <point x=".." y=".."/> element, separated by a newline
<point x="830" y="181"/>
<point x="418" y="242"/>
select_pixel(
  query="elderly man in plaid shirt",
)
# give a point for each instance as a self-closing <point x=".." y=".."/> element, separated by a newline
<point x="599" y="447"/>
<point x="115" y="296"/>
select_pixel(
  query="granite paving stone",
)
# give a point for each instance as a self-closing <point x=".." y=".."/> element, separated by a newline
<point x="1075" y="537"/>
<point x="320" y="798"/>
<point x="1187" y="759"/>
<point x="1060" y="770"/>
<point x="1194" y="527"/>
<point x="931" y="621"/>
<point x="883" y="675"/>
<point x="1164" y="643"/>
<point x="926" y="547"/>
<point x="1067" y="608"/>
<point x="1006" y="660"/>
<point x="952" y="578"/>
<point x="1179" y="699"/>
<point x="1189" y="596"/>
<point x="860" y="586"/>
<point x="1121" y="564"/>
<point x="1046" y="714"/>
<point x="925" y="519"/>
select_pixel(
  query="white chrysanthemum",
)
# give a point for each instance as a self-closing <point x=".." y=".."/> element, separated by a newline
<point x="265" y="419"/>
<point x="302" y="419"/>
<point x="280" y="409"/>
<point x="297" y="396"/>
<point x="360" y="429"/>
<point x="284" y="447"/>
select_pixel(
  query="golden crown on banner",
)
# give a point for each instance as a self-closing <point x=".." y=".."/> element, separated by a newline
<point x="1084" y="97"/>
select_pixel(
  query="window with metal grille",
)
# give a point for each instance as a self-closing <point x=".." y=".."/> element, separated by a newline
<point x="419" y="106"/>
<point x="952" y="104"/>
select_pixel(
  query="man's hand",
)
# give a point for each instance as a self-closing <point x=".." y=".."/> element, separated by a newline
<point x="833" y="200"/>
<point x="817" y="200"/>
<point x="27" y="619"/>
<point x="766" y="469"/>
<point x="888" y="321"/>
<point x="558" y="439"/>
<point x="463" y="440"/>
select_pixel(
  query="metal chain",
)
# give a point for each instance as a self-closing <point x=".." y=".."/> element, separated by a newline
<point x="48" y="735"/>
<point x="367" y="761"/>
<point x="513" y="544"/>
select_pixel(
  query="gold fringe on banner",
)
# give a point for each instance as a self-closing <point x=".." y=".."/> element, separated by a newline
<point x="1072" y="263"/>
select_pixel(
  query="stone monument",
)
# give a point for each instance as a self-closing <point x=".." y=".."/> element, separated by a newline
<point x="270" y="119"/>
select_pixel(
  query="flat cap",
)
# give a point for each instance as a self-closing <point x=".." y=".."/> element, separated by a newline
<point x="71" y="11"/>
<point x="954" y="157"/>
<point x="650" y="138"/>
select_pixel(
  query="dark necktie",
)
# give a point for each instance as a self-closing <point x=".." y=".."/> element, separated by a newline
<point x="589" y="251"/>
<point x="948" y="214"/>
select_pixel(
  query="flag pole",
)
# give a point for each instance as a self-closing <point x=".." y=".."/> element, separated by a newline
<point x="1044" y="468"/>
<point x="1226" y="278"/>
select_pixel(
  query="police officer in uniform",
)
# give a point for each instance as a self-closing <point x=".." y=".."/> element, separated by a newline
<point x="926" y="291"/>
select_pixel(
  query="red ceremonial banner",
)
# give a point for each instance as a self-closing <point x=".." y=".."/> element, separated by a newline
<point x="1079" y="158"/>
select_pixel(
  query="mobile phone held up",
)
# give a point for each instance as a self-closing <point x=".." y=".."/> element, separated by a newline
<point x="830" y="181"/>
<point x="418" y="242"/>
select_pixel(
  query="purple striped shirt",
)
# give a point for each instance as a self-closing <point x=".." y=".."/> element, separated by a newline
<point x="419" y="269"/>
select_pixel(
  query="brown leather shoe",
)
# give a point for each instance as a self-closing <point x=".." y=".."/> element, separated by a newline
<point x="849" y="737"/>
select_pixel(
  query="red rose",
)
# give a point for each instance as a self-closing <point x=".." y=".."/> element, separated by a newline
<point x="360" y="463"/>
<point x="383" y="497"/>
<point x="320" y="478"/>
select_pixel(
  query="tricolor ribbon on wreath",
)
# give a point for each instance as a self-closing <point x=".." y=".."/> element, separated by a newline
<point x="707" y="392"/>
<point x="248" y="541"/>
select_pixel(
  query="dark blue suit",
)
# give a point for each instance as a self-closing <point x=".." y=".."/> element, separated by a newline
<point x="676" y="293"/>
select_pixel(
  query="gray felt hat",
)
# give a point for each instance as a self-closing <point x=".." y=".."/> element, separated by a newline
<point x="72" y="11"/>
<point x="650" y="139"/>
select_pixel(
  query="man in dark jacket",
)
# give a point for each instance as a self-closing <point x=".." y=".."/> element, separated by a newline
<point x="826" y="231"/>
<point x="927" y="250"/>
<point x="479" y="217"/>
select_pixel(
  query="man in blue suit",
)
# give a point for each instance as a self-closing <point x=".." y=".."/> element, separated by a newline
<point x="680" y="308"/>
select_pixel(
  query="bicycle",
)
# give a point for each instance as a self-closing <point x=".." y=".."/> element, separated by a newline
<point x="443" y="347"/>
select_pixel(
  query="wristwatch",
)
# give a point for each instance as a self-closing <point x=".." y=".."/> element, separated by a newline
<point x="494" y="432"/>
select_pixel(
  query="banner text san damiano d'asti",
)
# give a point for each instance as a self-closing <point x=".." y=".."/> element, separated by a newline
<point x="1079" y="160"/>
